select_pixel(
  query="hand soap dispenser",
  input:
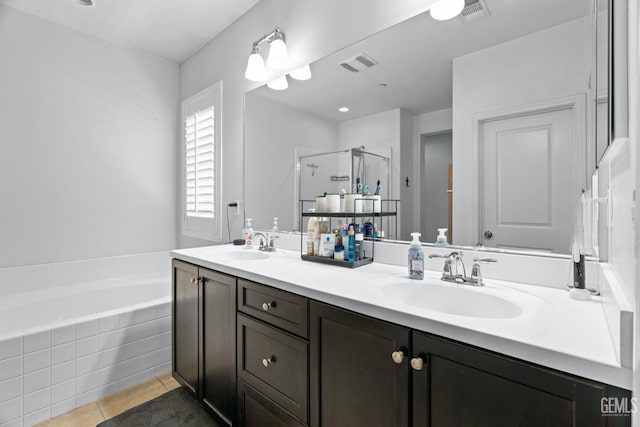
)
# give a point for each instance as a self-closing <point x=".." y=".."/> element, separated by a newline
<point x="441" y="239"/>
<point x="248" y="235"/>
<point x="416" y="258"/>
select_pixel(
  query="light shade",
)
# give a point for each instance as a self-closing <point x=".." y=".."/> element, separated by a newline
<point x="255" y="68"/>
<point x="278" y="55"/>
<point x="279" y="83"/>
<point x="446" y="9"/>
<point x="303" y="73"/>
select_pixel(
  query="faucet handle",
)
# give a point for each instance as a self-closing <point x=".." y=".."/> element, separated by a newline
<point x="476" y="274"/>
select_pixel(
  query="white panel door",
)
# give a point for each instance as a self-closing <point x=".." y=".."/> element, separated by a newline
<point x="527" y="188"/>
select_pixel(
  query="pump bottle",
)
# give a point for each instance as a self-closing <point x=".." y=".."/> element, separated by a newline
<point x="416" y="258"/>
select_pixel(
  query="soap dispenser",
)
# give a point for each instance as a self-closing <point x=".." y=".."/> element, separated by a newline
<point x="441" y="239"/>
<point x="416" y="258"/>
<point x="248" y="235"/>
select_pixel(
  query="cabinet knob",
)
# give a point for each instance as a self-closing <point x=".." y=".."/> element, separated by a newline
<point x="417" y="363"/>
<point x="266" y="306"/>
<point x="398" y="356"/>
<point x="269" y="361"/>
<point x="193" y="280"/>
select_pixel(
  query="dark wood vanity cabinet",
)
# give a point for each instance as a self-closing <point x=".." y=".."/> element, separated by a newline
<point x="366" y="372"/>
<point x="284" y="360"/>
<point x="204" y="319"/>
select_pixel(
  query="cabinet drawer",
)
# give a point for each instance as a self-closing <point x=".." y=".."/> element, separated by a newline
<point x="282" y="309"/>
<point x="255" y="410"/>
<point x="275" y="364"/>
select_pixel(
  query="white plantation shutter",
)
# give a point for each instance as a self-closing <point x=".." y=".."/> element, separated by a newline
<point x="201" y="144"/>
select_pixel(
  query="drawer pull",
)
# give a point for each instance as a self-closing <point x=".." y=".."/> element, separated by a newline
<point x="193" y="280"/>
<point x="417" y="363"/>
<point x="266" y="306"/>
<point x="269" y="361"/>
<point x="398" y="356"/>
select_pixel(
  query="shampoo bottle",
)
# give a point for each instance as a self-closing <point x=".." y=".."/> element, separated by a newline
<point x="351" y="248"/>
<point x="248" y="235"/>
<point x="312" y="227"/>
<point x="416" y="258"/>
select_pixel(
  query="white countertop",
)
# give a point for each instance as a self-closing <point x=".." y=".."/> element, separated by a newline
<point x="553" y="330"/>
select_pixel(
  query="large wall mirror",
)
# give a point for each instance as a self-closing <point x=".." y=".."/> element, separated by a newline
<point x="489" y="119"/>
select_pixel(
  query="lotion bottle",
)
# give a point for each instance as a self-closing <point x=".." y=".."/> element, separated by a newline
<point x="416" y="258"/>
<point x="248" y="235"/>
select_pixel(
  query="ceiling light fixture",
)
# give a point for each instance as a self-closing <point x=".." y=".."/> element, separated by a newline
<point x="278" y="56"/>
<point x="343" y="109"/>
<point x="446" y="9"/>
<point x="86" y="2"/>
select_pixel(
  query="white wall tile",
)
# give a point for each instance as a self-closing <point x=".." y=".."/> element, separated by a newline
<point x="63" y="372"/>
<point x="146" y="314"/>
<point x="163" y="310"/>
<point x="10" y="389"/>
<point x="108" y="340"/>
<point x="86" y="329"/>
<point x="87" y="364"/>
<point x="37" y="417"/>
<point x="108" y="324"/>
<point x="41" y="278"/>
<point x="36" y="360"/>
<point x="137" y="378"/>
<point x="36" y="381"/>
<point x="11" y="348"/>
<point x="162" y="356"/>
<point x="63" y="407"/>
<point x="85" y="383"/>
<point x="59" y="274"/>
<point x="77" y="272"/>
<point x="163" y="340"/>
<point x="37" y="341"/>
<point x="63" y="334"/>
<point x="13" y="423"/>
<point x="10" y="368"/>
<point x="5" y="281"/>
<point x="63" y="353"/>
<point x="37" y="400"/>
<point x="11" y="409"/>
<point x="86" y="346"/>
<point x="128" y="319"/>
<point x="88" y="397"/>
<point x="63" y="391"/>
<point x="21" y="279"/>
<point x="162" y="369"/>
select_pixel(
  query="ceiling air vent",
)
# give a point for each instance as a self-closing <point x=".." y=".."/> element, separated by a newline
<point x="358" y="63"/>
<point x="474" y="10"/>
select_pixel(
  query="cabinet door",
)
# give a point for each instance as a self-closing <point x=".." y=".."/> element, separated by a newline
<point x="185" y="325"/>
<point x="354" y="378"/>
<point x="218" y="366"/>
<point x="463" y="386"/>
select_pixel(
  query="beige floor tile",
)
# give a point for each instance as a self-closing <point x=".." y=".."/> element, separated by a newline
<point x="126" y="399"/>
<point x="84" y="416"/>
<point x="168" y="381"/>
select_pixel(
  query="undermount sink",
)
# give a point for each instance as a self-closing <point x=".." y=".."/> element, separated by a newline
<point x="246" y="255"/>
<point x="452" y="299"/>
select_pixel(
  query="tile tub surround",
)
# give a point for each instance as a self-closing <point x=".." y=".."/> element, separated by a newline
<point x="567" y="335"/>
<point x="72" y="359"/>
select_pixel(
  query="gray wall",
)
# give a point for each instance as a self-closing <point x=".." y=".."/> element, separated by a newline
<point x="436" y="157"/>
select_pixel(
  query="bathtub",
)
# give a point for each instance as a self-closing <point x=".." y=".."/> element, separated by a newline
<point x="63" y="347"/>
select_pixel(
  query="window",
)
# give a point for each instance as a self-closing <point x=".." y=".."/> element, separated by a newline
<point x="200" y="148"/>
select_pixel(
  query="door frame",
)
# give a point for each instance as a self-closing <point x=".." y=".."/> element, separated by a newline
<point x="575" y="103"/>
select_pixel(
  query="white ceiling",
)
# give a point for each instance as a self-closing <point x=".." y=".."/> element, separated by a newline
<point x="415" y="60"/>
<point x="171" y="29"/>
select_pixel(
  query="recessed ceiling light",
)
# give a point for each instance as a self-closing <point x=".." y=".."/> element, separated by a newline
<point x="382" y="85"/>
<point x="343" y="109"/>
<point x="86" y="2"/>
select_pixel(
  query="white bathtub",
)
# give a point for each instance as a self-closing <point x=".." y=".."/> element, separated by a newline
<point x="63" y="347"/>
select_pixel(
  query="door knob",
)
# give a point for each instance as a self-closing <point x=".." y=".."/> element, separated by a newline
<point x="397" y="356"/>
<point x="488" y="234"/>
<point x="417" y="363"/>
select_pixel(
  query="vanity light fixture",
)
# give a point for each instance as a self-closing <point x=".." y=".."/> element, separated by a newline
<point x="278" y="56"/>
<point x="302" y="73"/>
<point x="279" y="84"/>
<point x="343" y="109"/>
<point x="446" y="9"/>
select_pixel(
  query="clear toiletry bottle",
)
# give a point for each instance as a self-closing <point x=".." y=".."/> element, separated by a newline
<point x="248" y="234"/>
<point x="312" y="228"/>
<point x="275" y="224"/>
<point x="359" y="246"/>
<point x="416" y="258"/>
<point x="441" y="239"/>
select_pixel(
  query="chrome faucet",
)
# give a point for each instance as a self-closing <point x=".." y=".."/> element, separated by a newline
<point x="266" y="242"/>
<point x="454" y="271"/>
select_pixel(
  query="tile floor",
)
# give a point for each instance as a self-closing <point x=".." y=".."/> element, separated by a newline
<point x="94" y="413"/>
